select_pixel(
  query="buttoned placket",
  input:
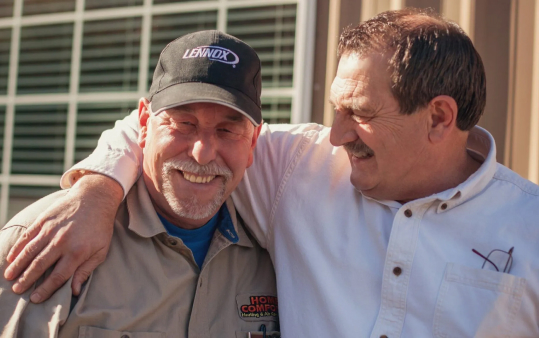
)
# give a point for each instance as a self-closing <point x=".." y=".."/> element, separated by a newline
<point x="198" y="325"/>
<point x="177" y="245"/>
<point x="397" y="269"/>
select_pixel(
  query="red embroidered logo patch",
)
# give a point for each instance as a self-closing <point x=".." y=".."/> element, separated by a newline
<point x="260" y="306"/>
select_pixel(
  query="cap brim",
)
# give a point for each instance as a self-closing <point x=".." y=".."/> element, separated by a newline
<point x="194" y="92"/>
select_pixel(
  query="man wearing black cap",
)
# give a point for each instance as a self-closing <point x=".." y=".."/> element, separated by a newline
<point x="181" y="263"/>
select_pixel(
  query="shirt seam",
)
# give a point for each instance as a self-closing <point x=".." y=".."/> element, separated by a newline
<point x="517" y="185"/>
<point x="282" y="186"/>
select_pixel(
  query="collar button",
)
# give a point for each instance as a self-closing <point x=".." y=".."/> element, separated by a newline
<point x="172" y="241"/>
<point x="443" y="206"/>
<point x="408" y="213"/>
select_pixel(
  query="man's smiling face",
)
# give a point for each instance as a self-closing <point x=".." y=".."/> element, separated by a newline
<point x="194" y="157"/>
<point x="385" y="147"/>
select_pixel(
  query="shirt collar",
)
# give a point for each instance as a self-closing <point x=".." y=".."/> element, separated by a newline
<point x="143" y="219"/>
<point x="481" y="146"/>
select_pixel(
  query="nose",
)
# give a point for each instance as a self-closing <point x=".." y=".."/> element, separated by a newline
<point x="203" y="149"/>
<point x="342" y="130"/>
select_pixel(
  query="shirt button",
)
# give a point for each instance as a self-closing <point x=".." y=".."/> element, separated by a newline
<point x="383" y="336"/>
<point x="408" y="213"/>
<point x="397" y="271"/>
<point x="444" y="206"/>
<point x="172" y="241"/>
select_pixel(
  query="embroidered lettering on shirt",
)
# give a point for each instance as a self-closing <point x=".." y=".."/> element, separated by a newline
<point x="260" y="306"/>
<point x="213" y="53"/>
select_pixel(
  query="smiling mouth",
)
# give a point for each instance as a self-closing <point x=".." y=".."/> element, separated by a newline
<point x="362" y="155"/>
<point x="194" y="178"/>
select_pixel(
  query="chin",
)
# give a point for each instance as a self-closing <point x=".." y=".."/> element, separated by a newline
<point x="366" y="188"/>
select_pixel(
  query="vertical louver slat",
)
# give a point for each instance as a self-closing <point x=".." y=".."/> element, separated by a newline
<point x="110" y="55"/>
<point x="5" y="44"/>
<point x="93" y="119"/>
<point x="166" y="28"/>
<point x="6" y="8"/>
<point x="2" y="126"/>
<point x="271" y="32"/>
<point x="39" y="139"/>
<point x="32" y="7"/>
<point x="100" y="4"/>
<point x="276" y="109"/>
<point x="45" y="59"/>
<point x="21" y="196"/>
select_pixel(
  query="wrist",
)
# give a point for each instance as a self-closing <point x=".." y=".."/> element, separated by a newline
<point x="100" y="187"/>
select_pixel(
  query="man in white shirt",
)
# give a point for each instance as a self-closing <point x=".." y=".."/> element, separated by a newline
<point x="432" y="238"/>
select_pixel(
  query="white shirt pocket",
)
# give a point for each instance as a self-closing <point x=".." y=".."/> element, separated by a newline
<point x="477" y="303"/>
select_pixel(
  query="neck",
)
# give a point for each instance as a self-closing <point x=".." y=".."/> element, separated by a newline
<point x="180" y="222"/>
<point x="443" y="173"/>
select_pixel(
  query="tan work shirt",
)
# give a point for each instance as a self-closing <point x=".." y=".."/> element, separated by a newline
<point x="149" y="285"/>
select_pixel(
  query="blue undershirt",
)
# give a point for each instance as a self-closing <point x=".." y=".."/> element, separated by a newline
<point x="199" y="240"/>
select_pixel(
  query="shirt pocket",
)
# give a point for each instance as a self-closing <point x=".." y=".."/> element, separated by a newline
<point x="476" y="303"/>
<point x="95" y="332"/>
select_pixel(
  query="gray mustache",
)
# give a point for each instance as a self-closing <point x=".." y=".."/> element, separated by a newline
<point x="192" y="166"/>
<point x="357" y="147"/>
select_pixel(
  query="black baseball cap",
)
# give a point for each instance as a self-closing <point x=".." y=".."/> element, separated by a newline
<point x="208" y="66"/>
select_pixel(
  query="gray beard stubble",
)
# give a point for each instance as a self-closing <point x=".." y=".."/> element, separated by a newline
<point x="192" y="207"/>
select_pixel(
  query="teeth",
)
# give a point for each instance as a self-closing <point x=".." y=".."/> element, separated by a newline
<point x="362" y="154"/>
<point x="198" y="179"/>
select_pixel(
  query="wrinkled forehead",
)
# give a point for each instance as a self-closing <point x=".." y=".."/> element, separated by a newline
<point x="347" y="92"/>
<point x="359" y="79"/>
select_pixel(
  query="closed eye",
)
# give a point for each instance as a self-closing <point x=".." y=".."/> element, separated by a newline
<point x="360" y="118"/>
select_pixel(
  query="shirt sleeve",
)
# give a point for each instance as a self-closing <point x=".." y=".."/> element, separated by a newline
<point x="278" y="151"/>
<point x="18" y="316"/>
<point x="117" y="155"/>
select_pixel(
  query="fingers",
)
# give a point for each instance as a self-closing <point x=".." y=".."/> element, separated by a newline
<point x="30" y="251"/>
<point x="82" y="274"/>
<point x="61" y="273"/>
<point x="28" y="235"/>
<point x="38" y="266"/>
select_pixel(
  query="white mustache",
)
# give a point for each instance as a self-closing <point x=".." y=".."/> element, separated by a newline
<point x="191" y="166"/>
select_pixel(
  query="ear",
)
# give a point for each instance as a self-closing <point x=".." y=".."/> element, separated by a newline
<point x="143" y="119"/>
<point x="254" y="139"/>
<point x="443" y="112"/>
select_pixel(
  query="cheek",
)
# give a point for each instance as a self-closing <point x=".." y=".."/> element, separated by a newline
<point x="236" y="158"/>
